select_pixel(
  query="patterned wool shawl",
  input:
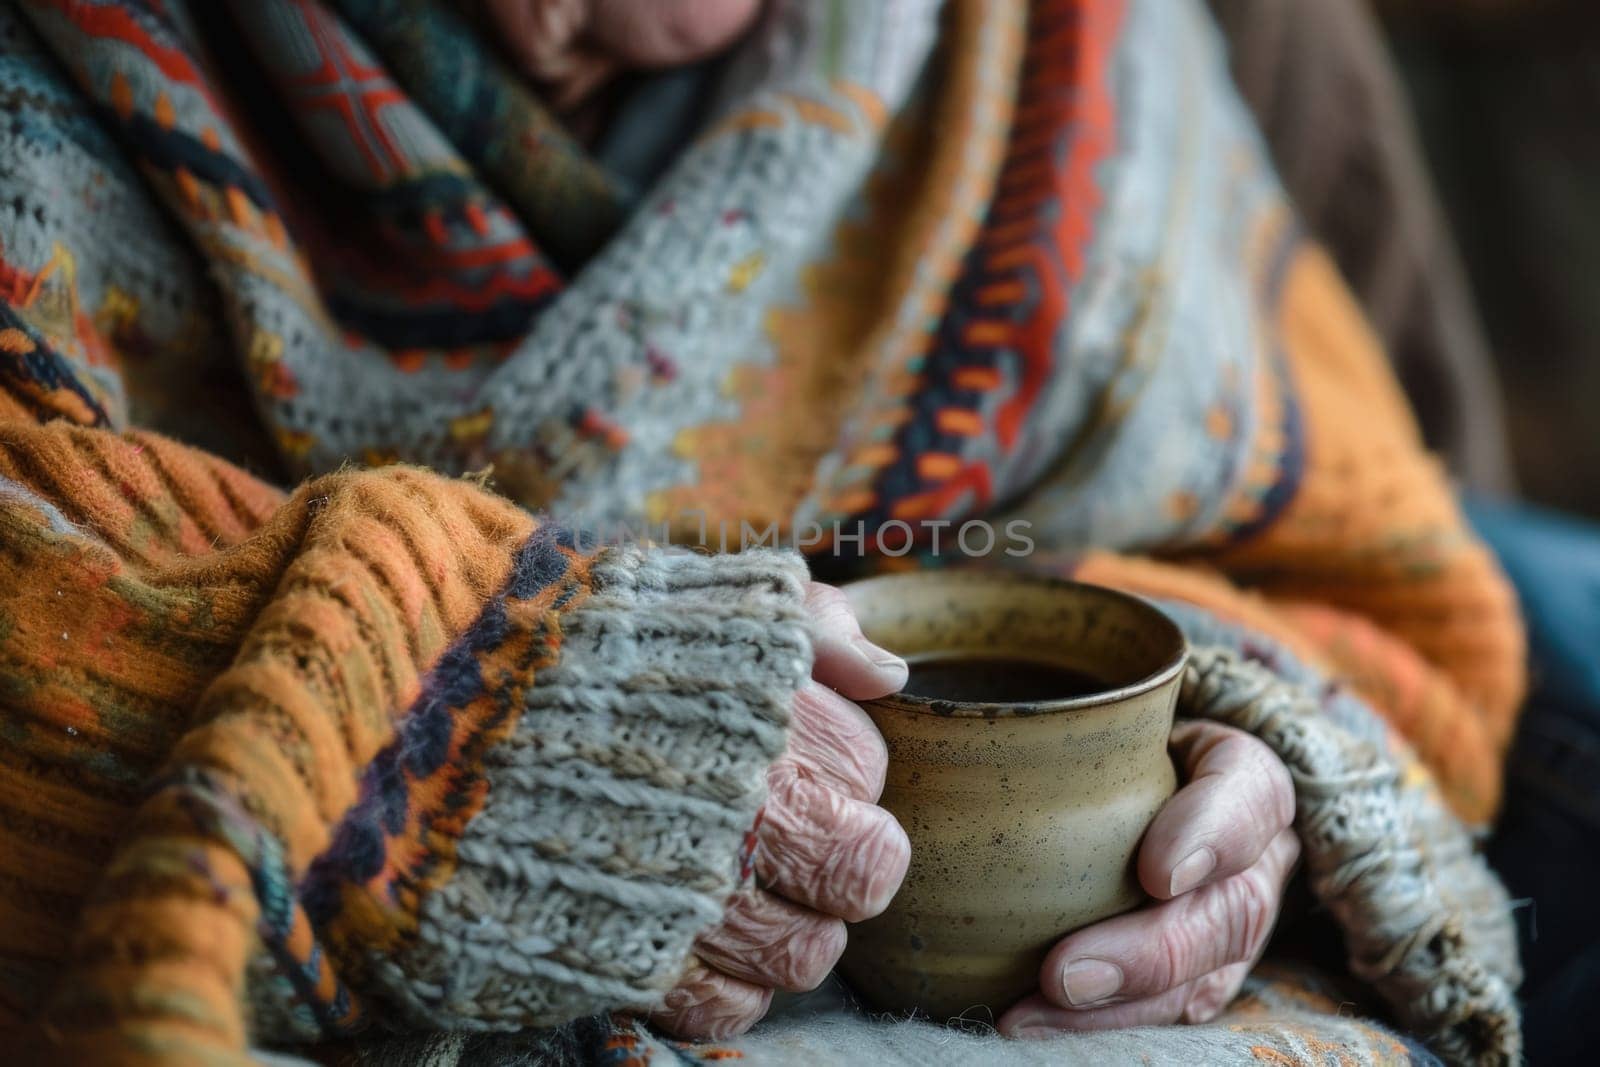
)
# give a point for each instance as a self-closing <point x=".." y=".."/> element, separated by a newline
<point x="1042" y="273"/>
<point x="1091" y="311"/>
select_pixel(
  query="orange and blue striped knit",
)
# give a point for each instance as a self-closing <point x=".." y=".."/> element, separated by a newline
<point x="244" y="730"/>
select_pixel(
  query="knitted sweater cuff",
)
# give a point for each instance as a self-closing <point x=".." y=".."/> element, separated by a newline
<point x="1424" y="919"/>
<point x="621" y="809"/>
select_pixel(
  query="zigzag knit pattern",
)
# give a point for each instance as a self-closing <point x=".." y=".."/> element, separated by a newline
<point x="267" y="755"/>
<point x="820" y="315"/>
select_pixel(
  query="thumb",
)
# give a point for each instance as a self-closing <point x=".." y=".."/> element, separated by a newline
<point x="845" y="659"/>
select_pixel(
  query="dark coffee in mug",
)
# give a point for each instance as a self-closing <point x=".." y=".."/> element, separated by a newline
<point x="1024" y="785"/>
<point x="996" y="680"/>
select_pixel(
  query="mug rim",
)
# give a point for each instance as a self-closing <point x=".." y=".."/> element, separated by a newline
<point x="978" y="709"/>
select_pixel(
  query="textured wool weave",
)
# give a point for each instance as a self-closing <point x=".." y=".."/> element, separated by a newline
<point x="1429" y="929"/>
<point x="386" y="749"/>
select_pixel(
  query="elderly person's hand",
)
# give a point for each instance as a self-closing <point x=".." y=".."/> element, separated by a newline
<point x="574" y="46"/>
<point x="1216" y="859"/>
<point x="826" y="853"/>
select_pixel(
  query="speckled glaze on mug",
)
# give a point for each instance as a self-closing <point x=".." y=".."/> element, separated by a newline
<point x="1024" y="819"/>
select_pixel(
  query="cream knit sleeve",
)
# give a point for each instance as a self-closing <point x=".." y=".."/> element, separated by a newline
<point x="621" y="808"/>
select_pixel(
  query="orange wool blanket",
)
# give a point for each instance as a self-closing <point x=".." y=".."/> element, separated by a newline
<point x="1058" y="286"/>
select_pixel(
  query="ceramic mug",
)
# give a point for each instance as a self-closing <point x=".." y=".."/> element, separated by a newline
<point x="1024" y="818"/>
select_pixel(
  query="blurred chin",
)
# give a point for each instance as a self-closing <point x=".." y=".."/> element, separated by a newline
<point x="664" y="33"/>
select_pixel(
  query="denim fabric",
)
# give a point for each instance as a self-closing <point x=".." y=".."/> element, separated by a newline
<point x="1547" y="843"/>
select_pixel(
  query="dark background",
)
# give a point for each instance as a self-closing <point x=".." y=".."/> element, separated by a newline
<point x="1507" y="98"/>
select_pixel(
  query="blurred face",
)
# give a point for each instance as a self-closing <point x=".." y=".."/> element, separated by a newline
<point x="574" y="46"/>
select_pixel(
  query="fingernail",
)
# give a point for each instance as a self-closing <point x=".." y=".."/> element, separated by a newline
<point x="1088" y="980"/>
<point x="1192" y="870"/>
<point x="881" y="659"/>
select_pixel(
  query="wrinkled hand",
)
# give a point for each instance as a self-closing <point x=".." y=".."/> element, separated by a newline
<point x="1216" y="858"/>
<point x="826" y="853"/>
